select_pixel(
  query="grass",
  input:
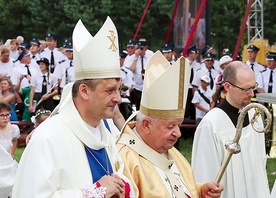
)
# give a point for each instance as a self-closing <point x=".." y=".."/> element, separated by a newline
<point x="18" y="153"/>
<point x="185" y="146"/>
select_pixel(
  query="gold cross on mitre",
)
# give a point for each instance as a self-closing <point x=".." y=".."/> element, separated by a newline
<point x="112" y="38"/>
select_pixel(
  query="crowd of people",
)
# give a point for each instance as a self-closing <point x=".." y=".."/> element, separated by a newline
<point x="86" y="149"/>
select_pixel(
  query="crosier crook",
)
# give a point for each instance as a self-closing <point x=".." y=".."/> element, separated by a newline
<point x="233" y="146"/>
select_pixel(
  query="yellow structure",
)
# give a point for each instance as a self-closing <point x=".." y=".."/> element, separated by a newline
<point x="264" y="46"/>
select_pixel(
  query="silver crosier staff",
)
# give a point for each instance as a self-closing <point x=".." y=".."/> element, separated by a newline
<point x="233" y="146"/>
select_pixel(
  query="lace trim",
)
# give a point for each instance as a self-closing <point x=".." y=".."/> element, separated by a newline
<point x="94" y="191"/>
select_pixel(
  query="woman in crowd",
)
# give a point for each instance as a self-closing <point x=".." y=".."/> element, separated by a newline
<point x="43" y="88"/>
<point x="7" y="94"/>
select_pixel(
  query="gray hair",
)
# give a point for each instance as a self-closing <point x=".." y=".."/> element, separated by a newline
<point x="140" y="116"/>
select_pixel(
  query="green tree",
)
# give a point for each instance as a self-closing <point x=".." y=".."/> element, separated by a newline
<point x="11" y="13"/>
<point x="226" y="20"/>
<point x="35" y="18"/>
<point x="269" y="21"/>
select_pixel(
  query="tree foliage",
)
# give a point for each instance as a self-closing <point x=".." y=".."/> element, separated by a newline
<point x="35" y="18"/>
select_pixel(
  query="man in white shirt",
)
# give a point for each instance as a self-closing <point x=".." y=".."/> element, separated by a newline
<point x="168" y="52"/>
<point x="267" y="78"/>
<point x="65" y="68"/>
<point x="26" y="67"/>
<point x="210" y="50"/>
<point x="192" y="55"/>
<point x="252" y="51"/>
<point x="131" y="47"/>
<point x="208" y="70"/>
<point x="52" y="53"/>
<point x="138" y="67"/>
<point x="34" y="49"/>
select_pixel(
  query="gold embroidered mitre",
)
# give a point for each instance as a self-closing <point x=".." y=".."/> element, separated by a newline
<point x="165" y="87"/>
<point x="96" y="57"/>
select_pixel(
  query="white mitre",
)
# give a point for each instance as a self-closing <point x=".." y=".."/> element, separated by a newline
<point x="96" y="57"/>
<point x="165" y="87"/>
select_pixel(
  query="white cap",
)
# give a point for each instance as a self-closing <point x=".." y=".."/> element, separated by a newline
<point x="224" y="59"/>
<point x="165" y="87"/>
<point x="205" y="79"/>
<point x="96" y="57"/>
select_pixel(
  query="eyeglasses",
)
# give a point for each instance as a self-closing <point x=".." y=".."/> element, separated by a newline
<point x="5" y="116"/>
<point x="245" y="90"/>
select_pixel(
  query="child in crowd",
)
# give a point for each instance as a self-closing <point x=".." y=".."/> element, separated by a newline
<point x="39" y="117"/>
<point x="203" y="99"/>
<point x="9" y="133"/>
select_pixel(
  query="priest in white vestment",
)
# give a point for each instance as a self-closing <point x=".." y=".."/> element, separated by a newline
<point x="73" y="154"/>
<point x="245" y="176"/>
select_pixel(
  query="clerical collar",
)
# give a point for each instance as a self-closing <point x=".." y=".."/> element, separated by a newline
<point x="233" y="113"/>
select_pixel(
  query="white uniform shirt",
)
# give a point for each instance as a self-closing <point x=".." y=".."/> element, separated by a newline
<point x="129" y="60"/>
<point x="14" y="54"/>
<point x="194" y="67"/>
<point x="172" y="62"/>
<point x="35" y="57"/>
<point x="137" y="76"/>
<point x="216" y="66"/>
<point x="6" y="68"/>
<point x="203" y="72"/>
<point x="149" y="53"/>
<point x="256" y="67"/>
<point x="58" y="55"/>
<point x="127" y="76"/>
<point x="37" y="80"/>
<point x="263" y="80"/>
<point x="66" y="66"/>
<point x="20" y="69"/>
<point x="198" y="99"/>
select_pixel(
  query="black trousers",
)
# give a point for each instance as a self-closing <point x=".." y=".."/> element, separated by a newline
<point x="135" y="97"/>
<point x="190" y="108"/>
